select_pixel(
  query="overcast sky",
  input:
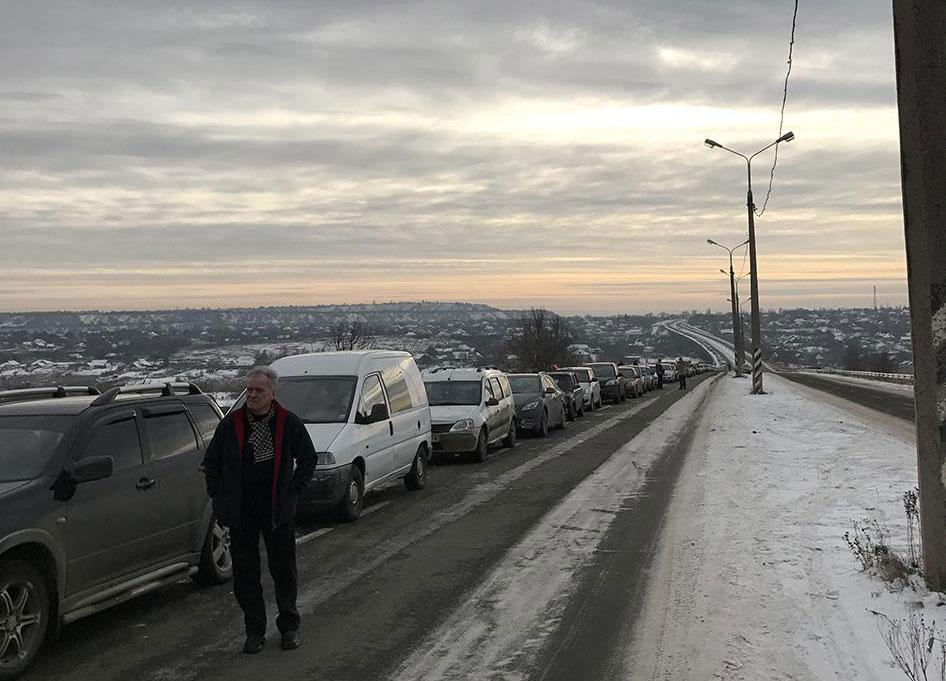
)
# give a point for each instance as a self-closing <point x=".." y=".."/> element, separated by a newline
<point x="169" y="154"/>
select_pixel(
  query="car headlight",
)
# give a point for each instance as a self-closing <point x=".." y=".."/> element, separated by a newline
<point x="530" y="406"/>
<point x="610" y="381"/>
<point x="463" y="424"/>
<point x="324" y="459"/>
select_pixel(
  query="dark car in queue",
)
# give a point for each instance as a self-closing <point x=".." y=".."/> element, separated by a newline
<point x="101" y="500"/>
<point x="568" y="383"/>
<point x="540" y="404"/>
<point x="612" y="383"/>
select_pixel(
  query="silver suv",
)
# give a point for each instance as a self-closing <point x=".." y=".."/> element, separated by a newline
<point x="101" y="499"/>
<point x="470" y="409"/>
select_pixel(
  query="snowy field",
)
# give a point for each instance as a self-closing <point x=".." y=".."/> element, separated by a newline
<point x="753" y="579"/>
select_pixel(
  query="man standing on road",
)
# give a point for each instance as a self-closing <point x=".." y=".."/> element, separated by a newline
<point x="259" y="460"/>
<point x="681" y="367"/>
<point x="660" y="374"/>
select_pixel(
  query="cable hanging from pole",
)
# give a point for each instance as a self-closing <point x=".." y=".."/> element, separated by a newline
<point x="781" y="123"/>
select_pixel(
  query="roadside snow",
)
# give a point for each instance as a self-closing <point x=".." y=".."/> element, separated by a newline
<point x="753" y="579"/>
<point x="895" y="388"/>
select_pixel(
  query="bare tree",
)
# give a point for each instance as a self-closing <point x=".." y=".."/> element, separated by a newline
<point x="852" y="355"/>
<point x="882" y="363"/>
<point x="541" y="342"/>
<point x="351" y="335"/>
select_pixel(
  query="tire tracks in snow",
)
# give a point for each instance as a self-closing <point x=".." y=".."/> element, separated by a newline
<point x="506" y="622"/>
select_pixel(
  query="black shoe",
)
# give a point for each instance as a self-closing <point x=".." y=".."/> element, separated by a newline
<point x="290" y="640"/>
<point x="253" y="644"/>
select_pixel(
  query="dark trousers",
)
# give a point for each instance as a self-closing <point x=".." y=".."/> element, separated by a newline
<point x="683" y="382"/>
<point x="281" y="552"/>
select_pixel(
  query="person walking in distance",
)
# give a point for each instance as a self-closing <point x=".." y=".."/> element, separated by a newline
<point x="259" y="460"/>
<point x="681" y="367"/>
<point x="660" y="374"/>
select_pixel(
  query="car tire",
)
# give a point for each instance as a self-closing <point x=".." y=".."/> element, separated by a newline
<point x="581" y="412"/>
<point x="354" y="500"/>
<point x="570" y="412"/>
<point x="482" y="448"/>
<point x="24" y="605"/>
<point x="543" y="428"/>
<point x="417" y="478"/>
<point x="509" y="442"/>
<point x="216" y="561"/>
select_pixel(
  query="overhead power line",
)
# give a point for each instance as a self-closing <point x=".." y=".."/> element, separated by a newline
<point x="781" y="123"/>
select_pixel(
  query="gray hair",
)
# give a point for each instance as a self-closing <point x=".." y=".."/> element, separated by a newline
<point x="266" y="371"/>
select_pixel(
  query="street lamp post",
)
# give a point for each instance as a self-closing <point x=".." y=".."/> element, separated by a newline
<point x="739" y="301"/>
<point x="736" y="336"/>
<point x="753" y="279"/>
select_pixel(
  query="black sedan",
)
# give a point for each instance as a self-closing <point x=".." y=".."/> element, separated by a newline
<point x="574" y="393"/>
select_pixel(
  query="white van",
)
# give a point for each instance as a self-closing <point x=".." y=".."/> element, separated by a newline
<point x="471" y="409"/>
<point x="367" y="414"/>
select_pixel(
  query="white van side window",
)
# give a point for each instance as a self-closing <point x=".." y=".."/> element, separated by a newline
<point x="415" y="382"/>
<point x="504" y="383"/>
<point x="398" y="394"/>
<point x="497" y="389"/>
<point x="371" y="394"/>
<point x="488" y="391"/>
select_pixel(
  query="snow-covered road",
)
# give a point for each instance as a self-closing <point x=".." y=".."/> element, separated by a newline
<point x="502" y="630"/>
<point x="753" y="579"/>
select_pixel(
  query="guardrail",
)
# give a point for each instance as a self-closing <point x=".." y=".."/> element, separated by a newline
<point x="906" y="379"/>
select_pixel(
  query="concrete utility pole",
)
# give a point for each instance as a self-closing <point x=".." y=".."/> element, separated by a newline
<point x="920" y="38"/>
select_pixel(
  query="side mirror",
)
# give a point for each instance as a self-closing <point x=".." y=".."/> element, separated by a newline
<point x="379" y="412"/>
<point x="492" y="402"/>
<point x="93" y="468"/>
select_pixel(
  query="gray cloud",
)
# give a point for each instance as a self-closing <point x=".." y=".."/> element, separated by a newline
<point x="148" y="132"/>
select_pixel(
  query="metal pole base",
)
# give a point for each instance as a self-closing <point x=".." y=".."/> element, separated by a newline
<point x="757" y="372"/>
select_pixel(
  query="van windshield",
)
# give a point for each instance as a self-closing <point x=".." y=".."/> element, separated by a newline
<point x="27" y="442"/>
<point x="453" y="393"/>
<point x="318" y="399"/>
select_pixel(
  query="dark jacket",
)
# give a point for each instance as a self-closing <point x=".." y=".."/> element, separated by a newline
<point x="294" y="463"/>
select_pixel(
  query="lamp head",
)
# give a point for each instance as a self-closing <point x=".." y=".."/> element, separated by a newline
<point x="787" y="137"/>
<point x="710" y="143"/>
<point x="710" y="241"/>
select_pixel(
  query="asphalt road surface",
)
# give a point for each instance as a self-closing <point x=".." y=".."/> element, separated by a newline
<point x="888" y="402"/>
<point x="373" y="591"/>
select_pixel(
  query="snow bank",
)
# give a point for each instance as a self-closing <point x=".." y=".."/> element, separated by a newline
<point x="753" y="579"/>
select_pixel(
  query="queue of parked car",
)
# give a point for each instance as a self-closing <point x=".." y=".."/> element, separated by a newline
<point x="103" y="499"/>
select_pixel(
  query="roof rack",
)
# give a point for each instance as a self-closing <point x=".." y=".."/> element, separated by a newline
<point x="164" y="389"/>
<point x="27" y="394"/>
